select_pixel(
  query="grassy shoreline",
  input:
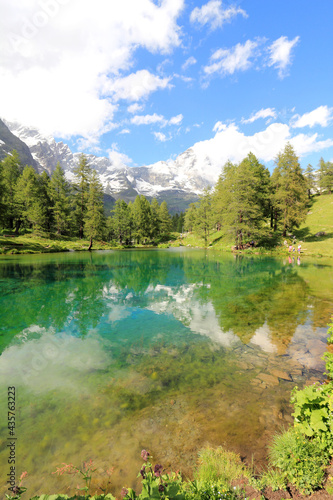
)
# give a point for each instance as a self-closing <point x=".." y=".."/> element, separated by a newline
<point x="315" y="236"/>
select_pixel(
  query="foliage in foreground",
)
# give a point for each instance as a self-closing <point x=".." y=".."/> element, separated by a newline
<point x="298" y="456"/>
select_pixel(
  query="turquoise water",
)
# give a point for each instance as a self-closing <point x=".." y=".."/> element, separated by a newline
<point x="168" y="350"/>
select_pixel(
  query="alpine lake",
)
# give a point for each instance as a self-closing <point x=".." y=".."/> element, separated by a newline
<point x="167" y="350"/>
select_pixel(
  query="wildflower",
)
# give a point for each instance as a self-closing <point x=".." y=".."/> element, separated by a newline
<point x="23" y="475"/>
<point x="161" y="488"/>
<point x="142" y="472"/>
<point x="145" y="455"/>
<point x="158" y="470"/>
<point x="124" y="492"/>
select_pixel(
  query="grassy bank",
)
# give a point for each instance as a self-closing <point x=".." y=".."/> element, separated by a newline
<point x="319" y="221"/>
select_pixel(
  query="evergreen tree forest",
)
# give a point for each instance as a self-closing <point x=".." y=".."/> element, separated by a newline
<point x="248" y="204"/>
<point x="252" y="206"/>
<point x="36" y="202"/>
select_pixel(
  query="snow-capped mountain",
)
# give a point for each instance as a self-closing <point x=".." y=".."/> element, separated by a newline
<point x="178" y="181"/>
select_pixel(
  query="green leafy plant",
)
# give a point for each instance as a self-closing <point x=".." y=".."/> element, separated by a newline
<point x="156" y="484"/>
<point x="19" y="489"/>
<point x="200" y="490"/>
<point x="219" y="465"/>
<point x="300" y="460"/>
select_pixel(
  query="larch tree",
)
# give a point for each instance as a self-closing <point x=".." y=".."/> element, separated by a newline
<point x="241" y="199"/>
<point x="82" y="174"/>
<point x="11" y="171"/>
<point x="203" y="220"/>
<point x="94" y="218"/>
<point x="59" y="194"/>
<point x="290" y="190"/>
<point x="165" y="219"/>
<point x="325" y="175"/>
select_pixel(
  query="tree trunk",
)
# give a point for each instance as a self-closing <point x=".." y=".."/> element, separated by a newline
<point x="91" y="243"/>
<point x="18" y="225"/>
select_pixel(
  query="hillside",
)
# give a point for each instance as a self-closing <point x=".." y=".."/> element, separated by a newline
<point x="318" y="220"/>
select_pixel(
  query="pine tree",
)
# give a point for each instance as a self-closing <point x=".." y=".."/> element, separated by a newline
<point x="59" y="194"/>
<point x="190" y="216"/>
<point x="29" y="197"/>
<point x="121" y="221"/>
<point x="155" y="218"/>
<point x="203" y="220"/>
<point x="290" y="196"/>
<point x="165" y="219"/>
<point x="94" y="218"/>
<point x="142" y="218"/>
<point x="325" y="176"/>
<point x="310" y="180"/>
<point x="241" y="199"/>
<point x="82" y="174"/>
<point x="11" y="171"/>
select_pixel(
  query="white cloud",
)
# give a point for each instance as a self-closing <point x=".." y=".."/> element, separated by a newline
<point x="229" y="143"/>
<point x="305" y="144"/>
<point x="56" y="58"/>
<point x="319" y="116"/>
<point x="160" y="136"/>
<point x="189" y="62"/>
<point x="155" y="118"/>
<point x="135" y="86"/>
<point x="147" y="119"/>
<point x="118" y="159"/>
<point x="212" y="13"/>
<point x="134" y="108"/>
<point x="125" y="131"/>
<point x="176" y="120"/>
<point x="280" y="54"/>
<point x="262" y="113"/>
<point x="227" y="61"/>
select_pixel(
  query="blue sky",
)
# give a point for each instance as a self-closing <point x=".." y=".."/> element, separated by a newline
<point x="142" y="80"/>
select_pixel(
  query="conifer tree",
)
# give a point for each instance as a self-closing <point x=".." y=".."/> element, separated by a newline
<point x="155" y="218"/>
<point x="190" y="216"/>
<point x="121" y="221"/>
<point x="203" y="215"/>
<point x="241" y="199"/>
<point x="310" y="179"/>
<point x="325" y="176"/>
<point x="59" y="194"/>
<point x="82" y="174"/>
<point x="28" y="196"/>
<point x="94" y="218"/>
<point x="11" y="171"/>
<point x="290" y="196"/>
<point x="142" y="218"/>
<point x="165" y="219"/>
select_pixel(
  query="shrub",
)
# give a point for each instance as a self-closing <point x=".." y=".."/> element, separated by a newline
<point x="300" y="460"/>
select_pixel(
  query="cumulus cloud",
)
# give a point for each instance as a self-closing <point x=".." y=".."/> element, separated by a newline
<point x="230" y="143"/>
<point x="213" y="14"/>
<point x="135" y="86"/>
<point x="262" y="113"/>
<point x="320" y="116"/>
<point x="227" y="61"/>
<point x="57" y="57"/>
<point x="280" y="54"/>
<point x="118" y="159"/>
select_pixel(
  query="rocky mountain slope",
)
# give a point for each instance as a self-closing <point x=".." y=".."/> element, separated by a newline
<point x="178" y="181"/>
<point x="9" y="141"/>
